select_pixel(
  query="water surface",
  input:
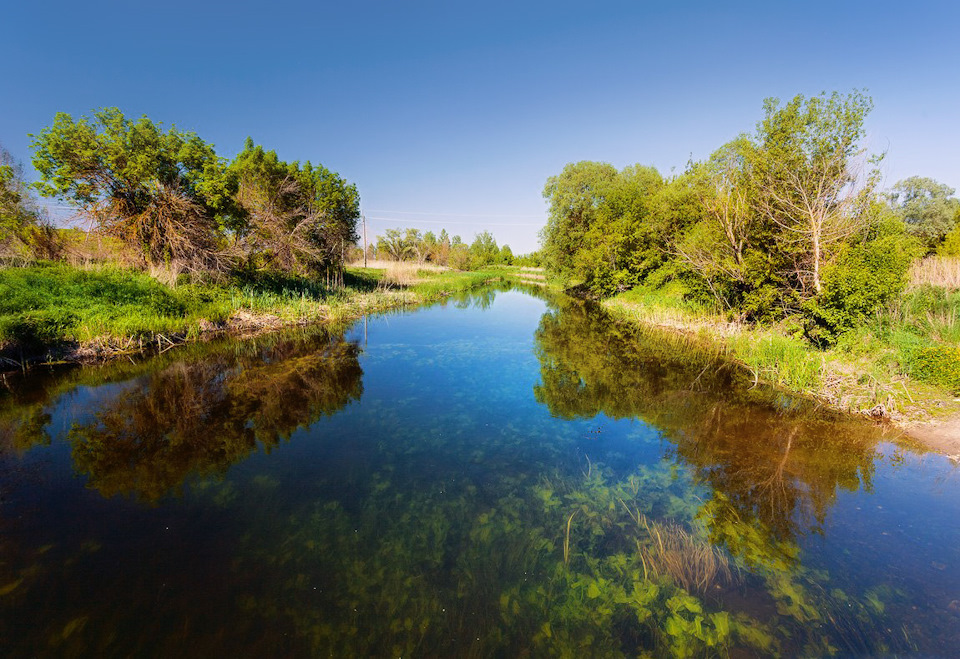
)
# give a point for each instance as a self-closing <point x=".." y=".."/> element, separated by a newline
<point x="500" y="475"/>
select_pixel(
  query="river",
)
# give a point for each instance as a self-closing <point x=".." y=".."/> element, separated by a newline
<point x="504" y="474"/>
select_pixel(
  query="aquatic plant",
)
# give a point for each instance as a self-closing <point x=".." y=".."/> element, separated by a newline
<point x="689" y="559"/>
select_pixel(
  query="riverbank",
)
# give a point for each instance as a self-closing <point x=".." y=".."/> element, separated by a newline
<point x="60" y="313"/>
<point x="869" y="383"/>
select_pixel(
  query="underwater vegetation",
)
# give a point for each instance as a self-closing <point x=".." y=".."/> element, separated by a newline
<point x="440" y="490"/>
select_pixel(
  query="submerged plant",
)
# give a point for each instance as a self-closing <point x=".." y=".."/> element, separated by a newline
<point x="690" y="560"/>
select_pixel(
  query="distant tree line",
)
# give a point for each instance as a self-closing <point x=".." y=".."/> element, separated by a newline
<point x="412" y="245"/>
<point x="785" y="222"/>
<point x="172" y="201"/>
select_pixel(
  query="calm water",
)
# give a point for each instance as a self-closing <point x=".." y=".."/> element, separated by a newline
<point x="502" y="475"/>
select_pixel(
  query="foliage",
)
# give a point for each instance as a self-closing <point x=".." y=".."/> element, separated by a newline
<point x="531" y="260"/>
<point x="752" y="229"/>
<point x="412" y="245"/>
<point x="950" y="247"/>
<point x="24" y="231"/>
<point x="160" y="192"/>
<point x="927" y="207"/>
<point x="293" y="218"/>
<point x="860" y="282"/>
<point x="807" y="179"/>
<point x="939" y="364"/>
<point x="399" y="245"/>
<point x="595" y="233"/>
<point x="169" y="197"/>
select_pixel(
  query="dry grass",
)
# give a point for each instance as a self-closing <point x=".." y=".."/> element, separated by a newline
<point x="385" y="264"/>
<point x="943" y="271"/>
<point x="676" y="318"/>
<point x="399" y="273"/>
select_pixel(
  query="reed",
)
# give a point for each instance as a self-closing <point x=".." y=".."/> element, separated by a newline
<point x="942" y="271"/>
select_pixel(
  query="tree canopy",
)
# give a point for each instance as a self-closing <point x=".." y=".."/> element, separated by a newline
<point x="927" y="207"/>
<point x="768" y="226"/>
<point x="297" y="218"/>
<point x="161" y="191"/>
<point x="595" y="228"/>
<point x="168" y="196"/>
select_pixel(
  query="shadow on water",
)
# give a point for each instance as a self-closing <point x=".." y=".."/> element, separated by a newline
<point x="198" y="414"/>
<point x="549" y="483"/>
<point x="779" y="461"/>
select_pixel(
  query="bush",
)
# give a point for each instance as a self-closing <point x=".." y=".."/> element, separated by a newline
<point x="939" y="364"/>
<point x="951" y="243"/>
<point x="865" y="278"/>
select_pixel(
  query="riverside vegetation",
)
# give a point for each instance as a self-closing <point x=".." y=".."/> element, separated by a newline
<point x="782" y="250"/>
<point x="181" y="242"/>
<point x="55" y="311"/>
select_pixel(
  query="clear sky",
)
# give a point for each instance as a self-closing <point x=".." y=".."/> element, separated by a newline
<point x="452" y="114"/>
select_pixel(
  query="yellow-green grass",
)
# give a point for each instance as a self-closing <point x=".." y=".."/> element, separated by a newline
<point x="886" y="363"/>
<point x="108" y="308"/>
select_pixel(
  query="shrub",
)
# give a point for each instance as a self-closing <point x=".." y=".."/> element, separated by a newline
<point x="860" y="282"/>
<point x="939" y="364"/>
<point x="951" y="243"/>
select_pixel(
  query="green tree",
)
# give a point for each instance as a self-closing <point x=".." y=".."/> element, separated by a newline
<point x="575" y="196"/>
<point x="442" y="253"/>
<point x="867" y="274"/>
<point x="394" y="243"/>
<point x="296" y="218"/>
<point x="927" y="207"/>
<point x="163" y="193"/>
<point x="595" y="233"/>
<point x="484" y="250"/>
<point x="19" y="217"/>
<point x="805" y="166"/>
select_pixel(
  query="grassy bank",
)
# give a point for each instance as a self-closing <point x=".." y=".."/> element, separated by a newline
<point x="57" y="311"/>
<point x="898" y="366"/>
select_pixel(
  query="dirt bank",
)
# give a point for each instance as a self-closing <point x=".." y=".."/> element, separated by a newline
<point x="942" y="436"/>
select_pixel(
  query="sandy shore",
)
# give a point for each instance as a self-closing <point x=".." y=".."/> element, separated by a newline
<point x="942" y="436"/>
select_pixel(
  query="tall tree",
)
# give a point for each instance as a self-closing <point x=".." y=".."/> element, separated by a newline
<point x="22" y="226"/>
<point x="291" y="217"/>
<point x="484" y="250"/>
<point x="809" y="179"/>
<point x="927" y="207"/>
<point x="575" y="195"/>
<point x="160" y="192"/>
<point x="594" y="234"/>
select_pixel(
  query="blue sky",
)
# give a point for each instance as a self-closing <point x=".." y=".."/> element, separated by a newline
<point x="454" y="114"/>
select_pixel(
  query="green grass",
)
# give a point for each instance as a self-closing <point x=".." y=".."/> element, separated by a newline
<point x="906" y="358"/>
<point x="435" y="284"/>
<point x="782" y="360"/>
<point x="46" y="303"/>
<point x="52" y="303"/>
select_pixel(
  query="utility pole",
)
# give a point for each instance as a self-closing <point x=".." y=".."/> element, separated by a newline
<point x="364" y="217"/>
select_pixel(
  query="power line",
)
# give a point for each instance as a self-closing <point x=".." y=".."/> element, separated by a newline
<point x="380" y="210"/>
<point x="493" y="224"/>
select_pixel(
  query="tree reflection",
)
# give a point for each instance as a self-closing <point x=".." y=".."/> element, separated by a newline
<point x="196" y="418"/>
<point x="775" y="465"/>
